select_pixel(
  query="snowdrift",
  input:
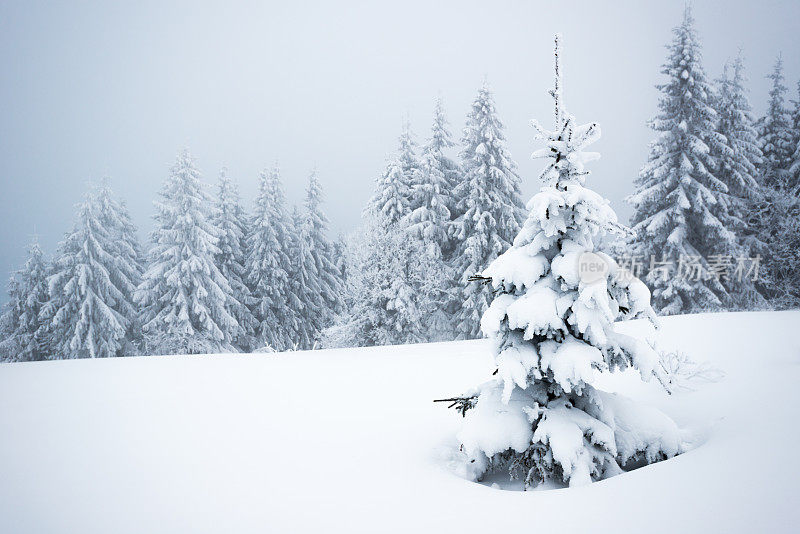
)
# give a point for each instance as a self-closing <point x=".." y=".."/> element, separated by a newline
<point x="350" y="441"/>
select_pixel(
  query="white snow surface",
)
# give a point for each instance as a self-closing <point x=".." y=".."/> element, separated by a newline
<point x="348" y="440"/>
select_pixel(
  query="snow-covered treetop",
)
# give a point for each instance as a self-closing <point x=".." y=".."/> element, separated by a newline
<point x="393" y="188"/>
<point x="738" y="170"/>
<point x="565" y="143"/>
<point x="313" y="202"/>
<point x="547" y="320"/>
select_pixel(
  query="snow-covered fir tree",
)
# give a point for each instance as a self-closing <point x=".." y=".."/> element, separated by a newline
<point x="680" y="205"/>
<point x="432" y="194"/>
<point x="304" y="294"/>
<point x="781" y="265"/>
<point x="268" y="265"/>
<point x="24" y="333"/>
<point x="432" y="198"/>
<point x="94" y="276"/>
<point x="9" y="320"/>
<point x="392" y="198"/>
<point x="794" y="170"/>
<point x="386" y="287"/>
<point x="541" y="419"/>
<point x="490" y="207"/>
<point x="330" y="282"/>
<point x="775" y="134"/>
<point x="396" y="274"/>
<point x="341" y="257"/>
<point x="116" y="218"/>
<point x="776" y="219"/>
<point x="184" y="297"/>
<point x="230" y="219"/>
<point x="738" y="170"/>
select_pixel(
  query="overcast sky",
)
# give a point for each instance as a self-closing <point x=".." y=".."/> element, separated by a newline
<point x="117" y="88"/>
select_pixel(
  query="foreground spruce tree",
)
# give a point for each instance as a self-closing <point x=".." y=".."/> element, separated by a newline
<point x="91" y="311"/>
<point x="24" y="332"/>
<point x="183" y="295"/>
<point x="489" y="205"/>
<point x="541" y="419"/>
<point x="680" y="205"/>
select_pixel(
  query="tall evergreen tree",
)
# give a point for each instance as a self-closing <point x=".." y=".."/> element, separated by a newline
<point x="432" y="198"/>
<point x="794" y="169"/>
<point x="490" y="204"/>
<point x="115" y="217"/>
<point x="268" y="265"/>
<point x="778" y="216"/>
<point x="183" y="295"/>
<point x="304" y="295"/>
<point x="680" y="205"/>
<point x="393" y="192"/>
<point x="737" y="169"/>
<point x="384" y="284"/>
<point x="540" y="418"/>
<point x="91" y="308"/>
<point x="432" y="194"/>
<point x="9" y="320"/>
<point x="329" y="277"/>
<point x="24" y="333"/>
<point x="230" y="219"/>
<point x="775" y="133"/>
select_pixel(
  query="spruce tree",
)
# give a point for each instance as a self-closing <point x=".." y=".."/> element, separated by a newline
<point x="738" y="170"/>
<point x="9" y="320"/>
<point x="490" y="207"/>
<point x="775" y="134"/>
<point x="183" y="295"/>
<point x="794" y="169"/>
<point x="394" y="188"/>
<point x="115" y="217"/>
<point x="91" y="310"/>
<point x="385" y="300"/>
<point x="268" y="266"/>
<point x="329" y="277"/>
<point x="680" y="205"/>
<point x="304" y="295"/>
<point x="432" y="198"/>
<point x="230" y="219"/>
<point x="25" y="335"/>
<point x="432" y="193"/>
<point x="541" y="419"/>
<point x="777" y="217"/>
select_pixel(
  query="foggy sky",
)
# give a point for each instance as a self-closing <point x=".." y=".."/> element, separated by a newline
<point x="92" y="89"/>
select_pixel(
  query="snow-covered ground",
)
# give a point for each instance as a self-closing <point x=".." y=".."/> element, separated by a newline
<point x="349" y="441"/>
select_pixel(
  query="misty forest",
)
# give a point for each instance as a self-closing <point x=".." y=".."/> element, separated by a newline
<point x="715" y="227"/>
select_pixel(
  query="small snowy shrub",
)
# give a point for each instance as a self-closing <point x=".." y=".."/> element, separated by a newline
<point x="680" y="372"/>
<point x="552" y="327"/>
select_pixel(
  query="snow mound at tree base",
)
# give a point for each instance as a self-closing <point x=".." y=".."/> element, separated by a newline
<point x="500" y="436"/>
<point x="349" y="441"/>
